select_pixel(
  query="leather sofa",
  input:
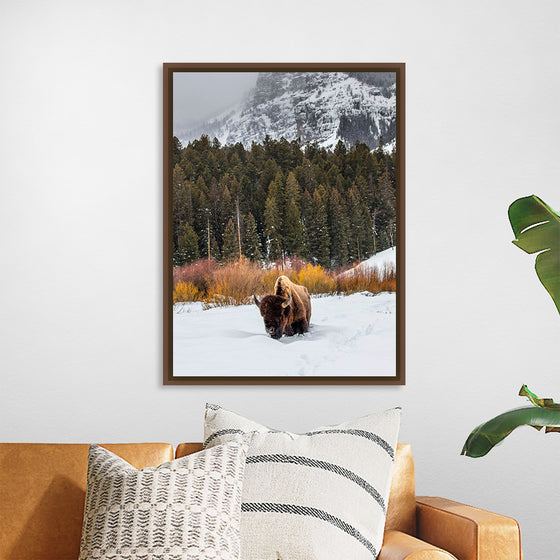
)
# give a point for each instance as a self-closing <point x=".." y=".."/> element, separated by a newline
<point x="42" y="492"/>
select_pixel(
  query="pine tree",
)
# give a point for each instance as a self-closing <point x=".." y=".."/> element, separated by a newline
<point x="202" y="223"/>
<point x="294" y="240"/>
<point x="292" y="230"/>
<point x="275" y="182"/>
<point x="178" y="208"/>
<point x="250" y="242"/>
<point x="229" y="246"/>
<point x="385" y="213"/>
<point x="361" y="226"/>
<point x="177" y="149"/>
<point x="215" y="249"/>
<point x="318" y="240"/>
<point x="339" y="226"/>
<point x="272" y="229"/>
<point x="292" y="190"/>
<point x="187" y="247"/>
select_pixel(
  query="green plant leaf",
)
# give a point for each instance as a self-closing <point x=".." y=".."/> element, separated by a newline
<point x="536" y="227"/>
<point x="541" y="403"/>
<point x="483" y="438"/>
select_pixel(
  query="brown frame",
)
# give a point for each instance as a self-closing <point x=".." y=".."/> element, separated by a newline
<point x="168" y="70"/>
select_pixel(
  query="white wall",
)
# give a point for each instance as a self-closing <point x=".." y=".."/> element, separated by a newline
<point x="81" y="226"/>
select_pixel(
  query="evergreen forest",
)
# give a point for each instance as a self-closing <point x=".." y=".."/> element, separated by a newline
<point x="281" y="199"/>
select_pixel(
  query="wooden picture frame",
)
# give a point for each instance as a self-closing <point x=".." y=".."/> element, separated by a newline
<point x="198" y="375"/>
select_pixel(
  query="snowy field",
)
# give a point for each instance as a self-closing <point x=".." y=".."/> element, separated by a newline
<point x="349" y="335"/>
<point x="379" y="260"/>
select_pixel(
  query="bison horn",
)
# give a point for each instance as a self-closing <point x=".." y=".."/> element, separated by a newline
<point x="256" y="300"/>
<point x="287" y="302"/>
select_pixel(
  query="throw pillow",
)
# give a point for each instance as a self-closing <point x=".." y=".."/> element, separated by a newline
<point x="321" y="495"/>
<point x="187" y="509"/>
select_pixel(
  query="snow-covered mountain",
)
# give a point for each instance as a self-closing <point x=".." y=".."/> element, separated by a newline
<point x="322" y="107"/>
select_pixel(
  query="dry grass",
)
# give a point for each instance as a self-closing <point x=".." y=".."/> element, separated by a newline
<point x="235" y="283"/>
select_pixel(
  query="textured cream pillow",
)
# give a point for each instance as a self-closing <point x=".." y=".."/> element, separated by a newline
<point x="321" y="495"/>
<point x="187" y="509"/>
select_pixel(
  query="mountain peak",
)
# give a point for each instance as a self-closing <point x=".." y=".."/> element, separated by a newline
<point x="321" y="107"/>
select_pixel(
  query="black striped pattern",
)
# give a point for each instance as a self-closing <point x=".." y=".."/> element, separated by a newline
<point x="314" y="463"/>
<point x="312" y="512"/>
<point x="220" y="433"/>
<point x="360" y="433"/>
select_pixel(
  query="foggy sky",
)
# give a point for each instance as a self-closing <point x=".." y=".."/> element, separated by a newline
<point x="198" y="95"/>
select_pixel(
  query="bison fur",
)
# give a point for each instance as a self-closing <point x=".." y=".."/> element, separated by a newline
<point x="287" y="311"/>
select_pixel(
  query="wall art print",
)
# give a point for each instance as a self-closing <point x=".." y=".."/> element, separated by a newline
<point x="283" y="224"/>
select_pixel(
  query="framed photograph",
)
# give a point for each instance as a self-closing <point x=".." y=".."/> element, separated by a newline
<point x="283" y="241"/>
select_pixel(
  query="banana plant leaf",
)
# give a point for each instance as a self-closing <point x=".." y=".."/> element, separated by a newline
<point x="544" y="413"/>
<point x="536" y="227"/>
<point x="541" y="403"/>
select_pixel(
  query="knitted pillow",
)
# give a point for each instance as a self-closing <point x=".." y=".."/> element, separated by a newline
<point x="321" y="495"/>
<point x="187" y="509"/>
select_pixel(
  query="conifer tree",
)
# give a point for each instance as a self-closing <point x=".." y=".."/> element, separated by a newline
<point x="272" y="229"/>
<point x="361" y="227"/>
<point x="307" y="211"/>
<point x="250" y="243"/>
<point x="318" y="239"/>
<point x="292" y="190"/>
<point x="177" y="150"/>
<point x="275" y="181"/>
<point x="269" y="173"/>
<point x="292" y="230"/>
<point x="277" y="190"/>
<point x="215" y="252"/>
<point x="187" y="247"/>
<point x="178" y="207"/>
<point x="339" y="226"/>
<point x="202" y="219"/>
<point x="230" y="247"/>
<point x="385" y="212"/>
<point x="200" y="186"/>
<point x="294" y="240"/>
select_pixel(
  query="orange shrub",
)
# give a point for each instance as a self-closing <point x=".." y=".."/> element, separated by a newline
<point x="235" y="283"/>
<point x="316" y="279"/>
<point x="185" y="291"/>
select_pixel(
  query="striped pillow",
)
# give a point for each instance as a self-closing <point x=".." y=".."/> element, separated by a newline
<point x="321" y="495"/>
<point x="187" y="509"/>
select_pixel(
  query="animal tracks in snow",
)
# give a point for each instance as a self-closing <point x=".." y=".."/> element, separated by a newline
<point x="349" y="335"/>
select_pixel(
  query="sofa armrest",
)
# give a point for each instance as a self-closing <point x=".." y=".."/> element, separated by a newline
<point x="467" y="532"/>
<point x="401" y="546"/>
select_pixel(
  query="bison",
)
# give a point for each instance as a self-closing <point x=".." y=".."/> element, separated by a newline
<point x="287" y="311"/>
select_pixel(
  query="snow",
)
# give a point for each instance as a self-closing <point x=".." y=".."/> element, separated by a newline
<point x="351" y="335"/>
<point x="379" y="260"/>
<point x="326" y="96"/>
<point x="390" y="147"/>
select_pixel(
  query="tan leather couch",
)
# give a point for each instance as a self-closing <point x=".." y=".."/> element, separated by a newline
<point x="42" y="491"/>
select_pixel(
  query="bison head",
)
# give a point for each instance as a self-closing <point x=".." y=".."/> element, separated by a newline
<point x="275" y="311"/>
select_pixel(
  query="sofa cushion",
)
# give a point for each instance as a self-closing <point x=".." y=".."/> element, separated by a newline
<point x="318" y="495"/>
<point x="401" y="510"/>
<point x="186" y="509"/>
<point x="42" y="492"/>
